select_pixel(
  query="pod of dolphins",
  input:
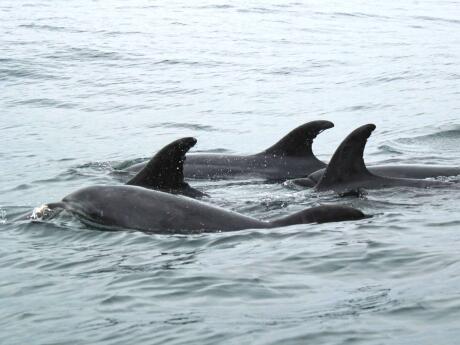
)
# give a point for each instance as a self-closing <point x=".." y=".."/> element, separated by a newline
<point x="158" y="200"/>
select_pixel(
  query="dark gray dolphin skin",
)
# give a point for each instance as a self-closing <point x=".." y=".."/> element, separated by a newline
<point x="164" y="172"/>
<point x="291" y="157"/>
<point x="157" y="212"/>
<point x="347" y="171"/>
<point x="397" y="171"/>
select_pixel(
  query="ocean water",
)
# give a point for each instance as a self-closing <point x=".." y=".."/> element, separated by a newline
<point x="88" y="85"/>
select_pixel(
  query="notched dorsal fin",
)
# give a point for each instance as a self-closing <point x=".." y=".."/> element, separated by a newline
<point x="347" y="163"/>
<point x="165" y="171"/>
<point x="298" y="142"/>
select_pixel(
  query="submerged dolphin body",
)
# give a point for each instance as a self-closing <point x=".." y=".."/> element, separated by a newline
<point x="347" y="170"/>
<point x="157" y="212"/>
<point x="410" y="171"/>
<point x="290" y="157"/>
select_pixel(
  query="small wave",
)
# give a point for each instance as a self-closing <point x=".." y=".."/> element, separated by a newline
<point x="122" y="33"/>
<point x="437" y="19"/>
<point x="217" y="6"/>
<point x="359" y="15"/>
<point x="21" y="71"/>
<point x="445" y="141"/>
<point x="192" y="126"/>
<point x="390" y="149"/>
<point x="204" y="63"/>
<point x="84" y="54"/>
<point x="391" y="77"/>
<point x="176" y="62"/>
<point x="261" y="10"/>
<point x="447" y="134"/>
<point x="92" y="53"/>
<point x="344" y="14"/>
<point x="442" y="140"/>
<point x="388" y="79"/>
<point x="184" y="319"/>
<point x="23" y="186"/>
<point x="7" y="60"/>
<point x="358" y="107"/>
<point x="136" y="7"/>
<point x="46" y="102"/>
<point x="116" y="299"/>
<point x="37" y="5"/>
<point x="176" y="91"/>
<point x="50" y="28"/>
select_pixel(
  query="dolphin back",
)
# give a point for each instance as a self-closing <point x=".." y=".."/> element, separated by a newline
<point x="321" y="214"/>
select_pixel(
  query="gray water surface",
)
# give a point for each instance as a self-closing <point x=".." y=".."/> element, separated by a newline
<point x="87" y="85"/>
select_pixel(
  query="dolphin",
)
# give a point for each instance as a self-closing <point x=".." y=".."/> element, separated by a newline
<point x="289" y="158"/>
<point x="164" y="172"/>
<point x="408" y="171"/>
<point x="133" y="207"/>
<point x="347" y="171"/>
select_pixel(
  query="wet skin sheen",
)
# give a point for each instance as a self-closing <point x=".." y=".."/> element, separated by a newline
<point x="158" y="212"/>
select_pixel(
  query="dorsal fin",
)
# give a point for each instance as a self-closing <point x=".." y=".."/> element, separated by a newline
<point x="165" y="171"/>
<point x="298" y="142"/>
<point x="347" y="163"/>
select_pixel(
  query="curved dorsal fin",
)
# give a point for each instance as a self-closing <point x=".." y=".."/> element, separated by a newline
<point x="347" y="163"/>
<point x="298" y="142"/>
<point x="165" y="171"/>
